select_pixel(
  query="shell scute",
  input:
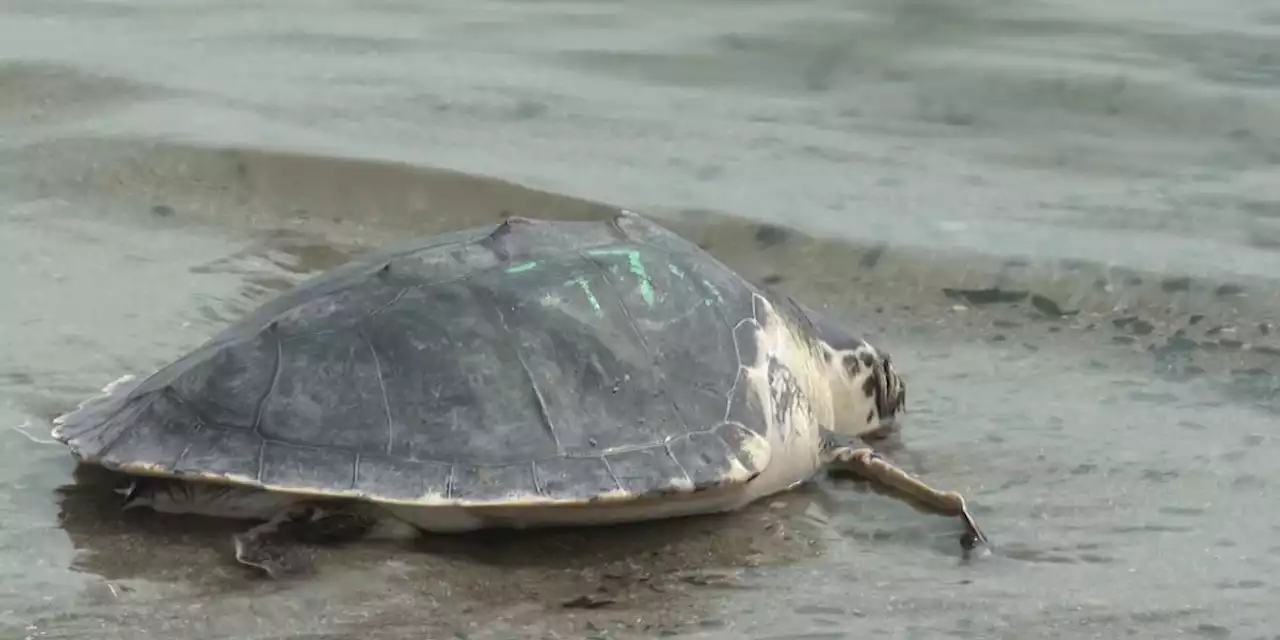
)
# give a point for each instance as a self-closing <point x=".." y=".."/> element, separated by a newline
<point x="293" y="466"/>
<point x="492" y="483"/>
<point x="401" y="479"/>
<point x="637" y="469"/>
<point x="575" y="478"/>
<point x="222" y="451"/>
<point x="708" y="460"/>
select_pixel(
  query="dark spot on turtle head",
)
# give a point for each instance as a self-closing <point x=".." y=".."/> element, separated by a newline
<point x="885" y="389"/>
<point x="851" y="364"/>
<point x="769" y="235"/>
<point x="871" y="386"/>
<point x="772" y="279"/>
<point x="895" y="395"/>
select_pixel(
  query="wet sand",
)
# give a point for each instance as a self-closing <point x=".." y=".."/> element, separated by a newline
<point x="1073" y="413"/>
<point x="1061" y="221"/>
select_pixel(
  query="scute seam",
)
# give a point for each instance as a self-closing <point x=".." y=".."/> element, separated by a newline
<point x="177" y="461"/>
<point x="404" y="291"/>
<point x="626" y="313"/>
<point x="537" y="486"/>
<point x="613" y="476"/>
<point x="742" y="451"/>
<point x="272" y="330"/>
<point x="742" y="366"/>
<point x="666" y="446"/>
<point x="533" y="384"/>
<point x="262" y="460"/>
<point x="382" y="386"/>
<point x="489" y="306"/>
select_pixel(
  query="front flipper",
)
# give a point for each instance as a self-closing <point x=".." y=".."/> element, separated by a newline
<point x="276" y="547"/>
<point x="895" y="482"/>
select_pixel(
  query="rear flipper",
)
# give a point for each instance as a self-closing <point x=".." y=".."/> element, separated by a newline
<point x="276" y="546"/>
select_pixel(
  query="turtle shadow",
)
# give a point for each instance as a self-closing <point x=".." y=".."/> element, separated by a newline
<point x="118" y="544"/>
<point x="655" y="576"/>
<point x="651" y="576"/>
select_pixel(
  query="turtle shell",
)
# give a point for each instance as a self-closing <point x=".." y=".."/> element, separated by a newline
<point x="532" y="362"/>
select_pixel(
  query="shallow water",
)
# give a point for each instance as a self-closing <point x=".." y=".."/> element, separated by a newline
<point x="1062" y="218"/>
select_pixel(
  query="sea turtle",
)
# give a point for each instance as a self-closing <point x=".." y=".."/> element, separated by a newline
<point x="528" y="373"/>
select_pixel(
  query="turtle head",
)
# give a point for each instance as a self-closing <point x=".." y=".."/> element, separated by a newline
<point x="867" y="394"/>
